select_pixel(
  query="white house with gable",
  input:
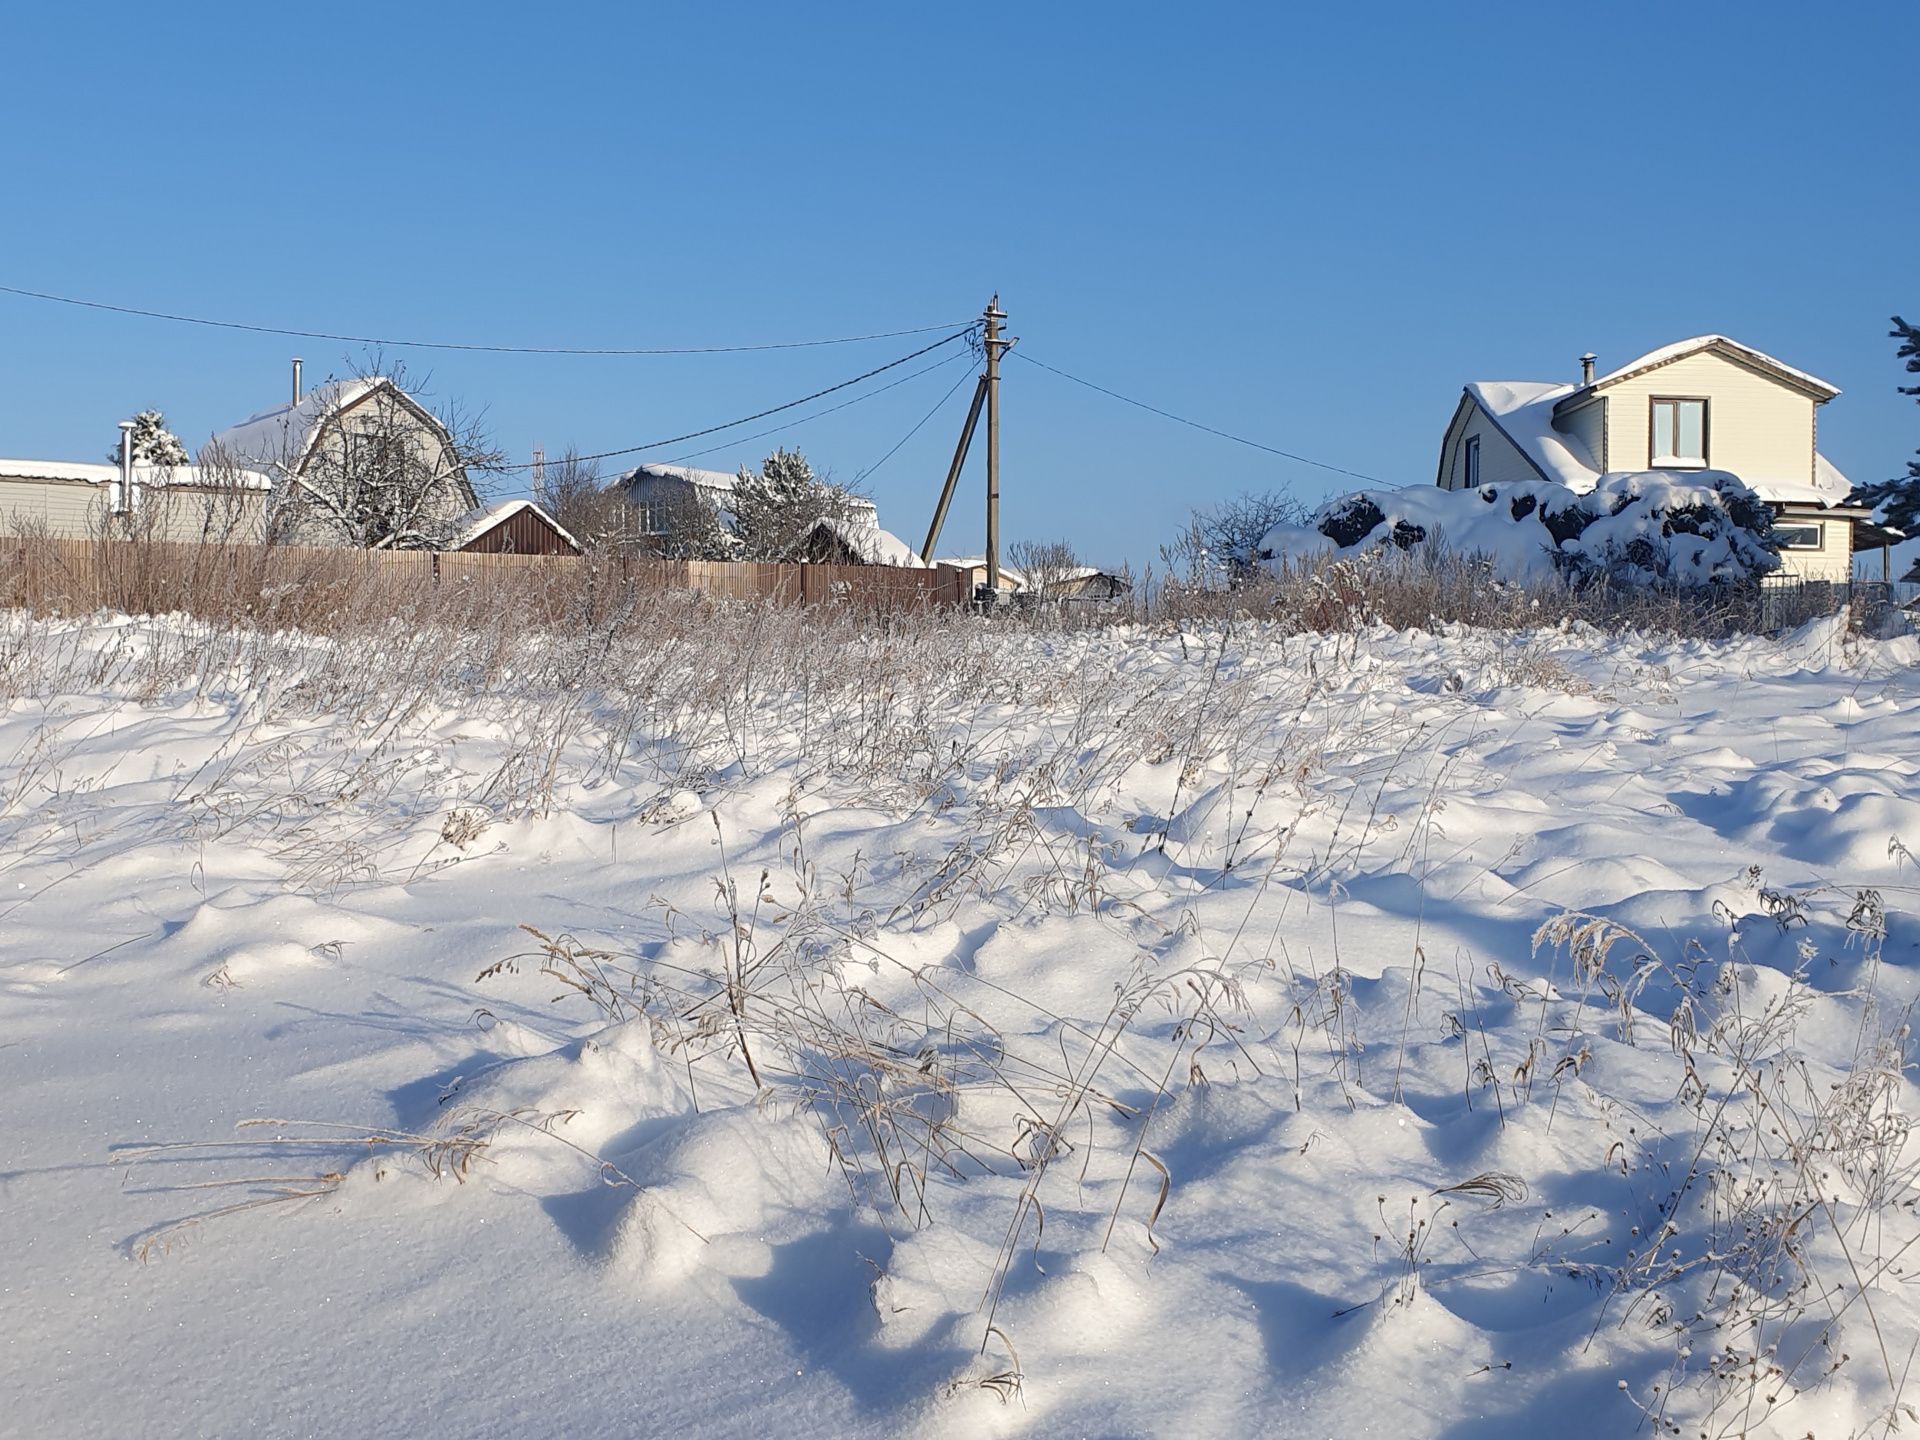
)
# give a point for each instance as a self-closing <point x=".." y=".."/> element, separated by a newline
<point x="355" y="462"/>
<point x="1705" y="403"/>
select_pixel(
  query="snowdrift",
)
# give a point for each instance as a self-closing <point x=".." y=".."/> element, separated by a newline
<point x="987" y="1031"/>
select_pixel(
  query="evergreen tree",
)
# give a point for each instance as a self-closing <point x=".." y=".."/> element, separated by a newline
<point x="1897" y="501"/>
<point x="153" y="443"/>
<point x="777" y="510"/>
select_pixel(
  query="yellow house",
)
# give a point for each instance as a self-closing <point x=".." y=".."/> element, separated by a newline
<point x="1709" y="403"/>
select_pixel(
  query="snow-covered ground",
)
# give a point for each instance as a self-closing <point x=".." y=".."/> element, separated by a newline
<point x="955" y="1032"/>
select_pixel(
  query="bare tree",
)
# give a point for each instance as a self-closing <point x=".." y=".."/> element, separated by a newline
<point x="599" y="517"/>
<point x="368" y="465"/>
<point x="1223" y="541"/>
<point x="1047" y="566"/>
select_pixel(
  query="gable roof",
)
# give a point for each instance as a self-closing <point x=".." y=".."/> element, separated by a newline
<point x="1759" y="360"/>
<point x="872" y="544"/>
<point x="718" y="482"/>
<point x="284" y="436"/>
<point x="1523" y="411"/>
<point x="287" y="433"/>
<point x="482" y="518"/>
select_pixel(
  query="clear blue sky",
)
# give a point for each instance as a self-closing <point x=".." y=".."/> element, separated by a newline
<point x="1306" y="224"/>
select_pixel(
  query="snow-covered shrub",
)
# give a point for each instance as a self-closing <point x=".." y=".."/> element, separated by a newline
<point x="1643" y="528"/>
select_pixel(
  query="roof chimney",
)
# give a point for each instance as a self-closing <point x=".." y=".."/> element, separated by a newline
<point x="1586" y="367"/>
<point x="296" y="379"/>
<point x="120" y="493"/>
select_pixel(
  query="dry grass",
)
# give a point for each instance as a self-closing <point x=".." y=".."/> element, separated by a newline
<point x="666" y="692"/>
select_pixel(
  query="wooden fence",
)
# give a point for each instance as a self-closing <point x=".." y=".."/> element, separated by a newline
<point x="300" y="585"/>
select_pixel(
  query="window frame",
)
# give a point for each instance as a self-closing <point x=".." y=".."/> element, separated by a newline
<point x="1470" y="464"/>
<point x="1681" y="462"/>
<point x="1818" y="528"/>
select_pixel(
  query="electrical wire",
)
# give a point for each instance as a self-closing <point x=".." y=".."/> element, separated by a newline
<point x="455" y="345"/>
<point x="762" y="414"/>
<point x="915" y="430"/>
<point x="1195" y="424"/>
<point x="801" y="420"/>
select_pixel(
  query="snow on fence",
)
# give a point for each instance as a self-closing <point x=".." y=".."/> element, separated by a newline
<point x="302" y="585"/>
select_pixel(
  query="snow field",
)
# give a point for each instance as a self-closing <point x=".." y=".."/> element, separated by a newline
<point x="955" y="1031"/>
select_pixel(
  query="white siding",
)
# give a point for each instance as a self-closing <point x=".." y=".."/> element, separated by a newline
<point x="76" y="509"/>
<point x="380" y="412"/>
<point x="65" y="508"/>
<point x="1757" y="427"/>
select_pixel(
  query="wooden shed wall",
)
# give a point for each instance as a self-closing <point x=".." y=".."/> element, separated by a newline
<point x="526" y="532"/>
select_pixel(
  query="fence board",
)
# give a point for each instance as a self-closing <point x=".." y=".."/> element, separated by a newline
<point x="304" y="585"/>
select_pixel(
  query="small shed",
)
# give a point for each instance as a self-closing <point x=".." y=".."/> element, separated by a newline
<point x="512" y="527"/>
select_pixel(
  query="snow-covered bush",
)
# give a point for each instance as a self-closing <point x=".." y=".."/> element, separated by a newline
<point x="1643" y="528"/>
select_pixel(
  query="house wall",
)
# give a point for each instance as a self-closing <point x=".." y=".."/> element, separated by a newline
<point x="1756" y="427"/>
<point x="69" y="508"/>
<point x="377" y="413"/>
<point x="659" y="497"/>
<point x="1833" y="561"/>
<point x="1588" y="425"/>
<point x="76" y="509"/>
<point x="1501" y="462"/>
<point x="974" y="576"/>
<point x="523" y="533"/>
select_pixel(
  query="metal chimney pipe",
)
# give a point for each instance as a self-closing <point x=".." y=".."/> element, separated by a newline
<point x="1586" y="367"/>
<point x="120" y="500"/>
<point x="296" y="379"/>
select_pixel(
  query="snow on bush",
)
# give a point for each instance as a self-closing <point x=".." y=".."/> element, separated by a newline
<point x="1644" y="528"/>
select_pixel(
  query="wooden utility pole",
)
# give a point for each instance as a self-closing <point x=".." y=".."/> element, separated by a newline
<point x="995" y="346"/>
<point x="986" y="393"/>
<point x="953" y="470"/>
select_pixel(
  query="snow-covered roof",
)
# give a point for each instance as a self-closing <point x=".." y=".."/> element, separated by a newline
<point x="150" y="476"/>
<point x="285" y="434"/>
<point x="482" y="518"/>
<point x="1827" y="488"/>
<point x="1523" y="409"/>
<point x="718" y="481"/>
<point x="1680" y="349"/>
<point x="872" y="544"/>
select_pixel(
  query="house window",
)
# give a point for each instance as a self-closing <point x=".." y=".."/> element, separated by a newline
<point x="1470" y="467"/>
<point x="1801" y="535"/>
<point x="1679" y="433"/>
<point x="366" y="454"/>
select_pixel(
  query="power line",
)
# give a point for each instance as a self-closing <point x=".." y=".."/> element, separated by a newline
<point x="762" y="414"/>
<point x="915" y="430"/>
<point x="803" y="419"/>
<point x="1195" y="424"/>
<point x="455" y="345"/>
